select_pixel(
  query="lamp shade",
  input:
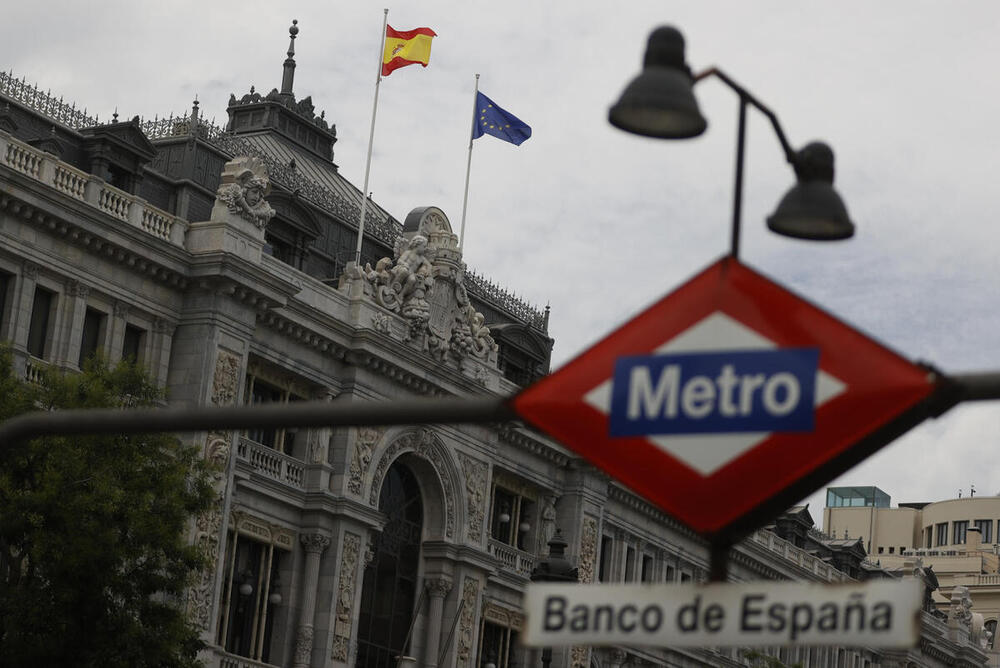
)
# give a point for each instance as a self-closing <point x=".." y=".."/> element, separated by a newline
<point x="660" y="101"/>
<point x="812" y="209"/>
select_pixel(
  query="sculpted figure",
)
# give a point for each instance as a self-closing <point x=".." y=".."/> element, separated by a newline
<point x="244" y="186"/>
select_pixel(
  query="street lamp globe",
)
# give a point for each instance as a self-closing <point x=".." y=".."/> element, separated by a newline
<point x="660" y="101"/>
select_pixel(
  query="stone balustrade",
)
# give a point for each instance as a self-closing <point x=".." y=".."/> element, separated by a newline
<point x="271" y="463"/>
<point x="798" y="556"/>
<point x="87" y="188"/>
<point x="226" y="660"/>
<point x="513" y="559"/>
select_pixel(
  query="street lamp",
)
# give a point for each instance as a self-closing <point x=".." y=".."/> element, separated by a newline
<point x="554" y="568"/>
<point x="660" y="103"/>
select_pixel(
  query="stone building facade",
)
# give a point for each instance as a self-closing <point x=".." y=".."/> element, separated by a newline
<point x="221" y="260"/>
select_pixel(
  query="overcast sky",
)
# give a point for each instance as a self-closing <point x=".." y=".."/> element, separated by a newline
<point x="599" y="223"/>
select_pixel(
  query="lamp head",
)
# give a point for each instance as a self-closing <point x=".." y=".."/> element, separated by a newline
<point x="812" y="209"/>
<point x="660" y="101"/>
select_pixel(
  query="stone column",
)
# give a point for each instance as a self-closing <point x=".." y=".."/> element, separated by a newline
<point x="116" y="332"/>
<point x="76" y="309"/>
<point x="314" y="544"/>
<point x="437" y="590"/>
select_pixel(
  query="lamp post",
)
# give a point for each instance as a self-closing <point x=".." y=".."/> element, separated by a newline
<point x="660" y="103"/>
<point x="554" y="568"/>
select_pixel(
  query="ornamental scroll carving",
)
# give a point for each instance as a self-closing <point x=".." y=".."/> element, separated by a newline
<point x="244" y="186"/>
<point x="365" y="439"/>
<point x="470" y="592"/>
<point x="424" y="443"/>
<point x="345" y="596"/>
<point x="208" y="525"/>
<point x="475" y="473"/>
<point x="580" y="655"/>
<point x="424" y="282"/>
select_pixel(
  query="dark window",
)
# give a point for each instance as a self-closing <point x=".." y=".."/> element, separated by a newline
<point x="986" y="529"/>
<point x="942" y="534"/>
<point x="38" y="330"/>
<point x="93" y="328"/>
<point x="607" y="545"/>
<point x="629" y="564"/>
<point x="647" y="568"/>
<point x="928" y="537"/>
<point x="498" y="646"/>
<point x="880" y="549"/>
<point x="388" y="594"/>
<point x="281" y="439"/>
<point x="685" y="577"/>
<point x="512" y="519"/>
<point x="959" y="528"/>
<point x="249" y="601"/>
<point x="6" y="280"/>
<point x="670" y="575"/>
<point x="132" y="343"/>
<point x="892" y="550"/>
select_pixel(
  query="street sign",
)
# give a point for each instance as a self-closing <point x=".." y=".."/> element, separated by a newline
<point x="728" y="400"/>
<point x="880" y="613"/>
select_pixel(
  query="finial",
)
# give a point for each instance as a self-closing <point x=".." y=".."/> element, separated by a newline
<point x="114" y="116"/>
<point x="288" y="75"/>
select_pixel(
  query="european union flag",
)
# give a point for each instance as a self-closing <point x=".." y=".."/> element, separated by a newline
<point x="492" y="120"/>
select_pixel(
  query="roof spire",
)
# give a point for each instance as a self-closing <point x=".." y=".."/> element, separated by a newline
<point x="289" y="70"/>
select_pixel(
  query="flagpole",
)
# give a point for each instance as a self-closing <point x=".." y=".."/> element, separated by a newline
<point x="468" y="167"/>
<point x="371" y="139"/>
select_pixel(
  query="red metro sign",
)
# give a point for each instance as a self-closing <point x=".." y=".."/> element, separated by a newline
<point x="728" y="400"/>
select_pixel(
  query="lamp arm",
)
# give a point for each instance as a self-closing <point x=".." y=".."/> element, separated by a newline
<point x="747" y="97"/>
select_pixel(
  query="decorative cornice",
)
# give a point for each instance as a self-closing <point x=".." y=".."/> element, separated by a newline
<point x="139" y="263"/>
<point x="522" y="440"/>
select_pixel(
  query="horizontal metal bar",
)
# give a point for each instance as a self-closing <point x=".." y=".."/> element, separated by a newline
<point x="263" y="416"/>
<point x="978" y="386"/>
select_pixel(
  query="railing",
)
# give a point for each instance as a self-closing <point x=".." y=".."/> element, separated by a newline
<point x="797" y="556"/>
<point x="79" y="185"/>
<point x="227" y="660"/>
<point x="35" y="98"/>
<point x="512" y="558"/>
<point x="497" y="296"/>
<point x="271" y="463"/>
<point x="33" y="370"/>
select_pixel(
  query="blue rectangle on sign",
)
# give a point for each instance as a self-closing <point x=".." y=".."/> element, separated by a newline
<point x="716" y="392"/>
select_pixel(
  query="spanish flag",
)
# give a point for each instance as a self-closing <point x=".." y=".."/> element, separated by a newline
<point x="406" y="47"/>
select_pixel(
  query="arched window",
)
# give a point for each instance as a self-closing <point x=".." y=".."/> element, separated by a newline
<point x="389" y="591"/>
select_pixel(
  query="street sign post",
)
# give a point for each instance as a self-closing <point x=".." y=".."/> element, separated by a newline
<point x="881" y="613"/>
<point x="728" y="400"/>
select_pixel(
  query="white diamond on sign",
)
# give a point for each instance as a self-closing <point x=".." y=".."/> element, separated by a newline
<point x="706" y="453"/>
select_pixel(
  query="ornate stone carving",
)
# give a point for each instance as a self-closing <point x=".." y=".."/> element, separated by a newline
<point x="244" y="186"/>
<point x="365" y="439"/>
<point x="304" y="645"/>
<point x="314" y="542"/>
<point x="438" y="587"/>
<point x="77" y="289"/>
<point x="588" y="550"/>
<point x="475" y="473"/>
<point x="580" y="656"/>
<point x="424" y="443"/>
<point x="225" y="380"/>
<point x="380" y="323"/>
<point x="548" y="522"/>
<point x="470" y="591"/>
<point x="121" y="309"/>
<point x="345" y="596"/>
<point x="30" y="270"/>
<point x="425" y="283"/>
<point x="208" y="525"/>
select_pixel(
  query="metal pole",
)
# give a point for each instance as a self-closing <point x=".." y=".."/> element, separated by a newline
<point x="298" y="414"/>
<point x="738" y="186"/>
<point x="468" y="167"/>
<point x="371" y="140"/>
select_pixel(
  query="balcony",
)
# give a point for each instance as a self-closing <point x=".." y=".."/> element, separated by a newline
<point x="512" y="559"/>
<point x="270" y="463"/>
<point x="87" y="188"/>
